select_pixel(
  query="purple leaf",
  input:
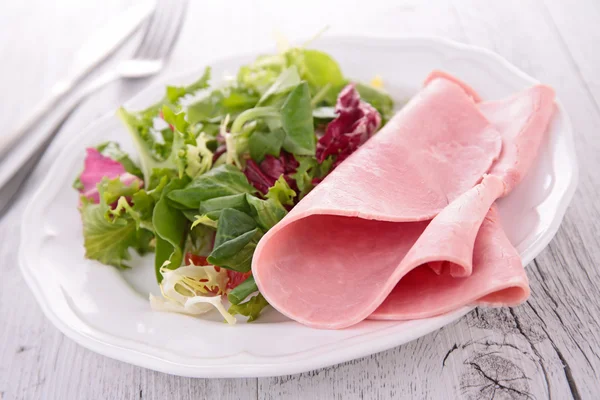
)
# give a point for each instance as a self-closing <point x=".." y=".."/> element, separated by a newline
<point x="356" y="122"/>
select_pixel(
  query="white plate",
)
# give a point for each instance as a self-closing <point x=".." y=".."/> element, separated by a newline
<point x="108" y="312"/>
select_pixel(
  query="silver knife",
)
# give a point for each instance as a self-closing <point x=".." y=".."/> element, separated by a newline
<point x="97" y="48"/>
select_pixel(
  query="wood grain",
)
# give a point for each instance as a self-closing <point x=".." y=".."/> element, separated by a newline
<point x="547" y="348"/>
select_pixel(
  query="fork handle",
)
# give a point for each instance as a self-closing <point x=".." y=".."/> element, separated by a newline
<point x="59" y="91"/>
<point x="43" y="139"/>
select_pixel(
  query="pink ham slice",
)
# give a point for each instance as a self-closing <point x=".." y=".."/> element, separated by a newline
<point x="362" y="245"/>
<point x="521" y="119"/>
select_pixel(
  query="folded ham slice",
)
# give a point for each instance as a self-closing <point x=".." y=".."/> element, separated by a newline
<point x="405" y="227"/>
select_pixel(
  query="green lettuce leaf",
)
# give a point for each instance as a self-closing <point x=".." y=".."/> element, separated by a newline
<point x="213" y="107"/>
<point x="108" y="234"/>
<point x="267" y="213"/>
<point x="297" y="121"/>
<point x="308" y="170"/>
<point x="294" y="116"/>
<point x="261" y="74"/>
<point x="262" y="143"/>
<point x="281" y="193"/>
<point x="174" y="93"/>
<point x="221" y="181"/>
<point x="378" y="99"/>
<point x="320" y="70"/>
<point x="284" y="83"/>
<point x="150" y="157"/>
<point x="251" y="309"/>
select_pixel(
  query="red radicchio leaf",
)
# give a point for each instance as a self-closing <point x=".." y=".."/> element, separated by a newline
<point x="262" y="176"/>
<point x="236" y="278"/>
<point x="257" y="177"/>
<point x="356" y="122"/>
<point x="97" y="167"/>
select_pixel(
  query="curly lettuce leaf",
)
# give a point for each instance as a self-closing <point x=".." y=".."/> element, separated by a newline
<point x="199" y="158"/>
<point x="175" y="93"/>
<point x="281" y="193"/>
<point x="108" y="234"/>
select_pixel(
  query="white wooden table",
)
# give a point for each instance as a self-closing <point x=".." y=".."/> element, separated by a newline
<point x="547" y="348"/>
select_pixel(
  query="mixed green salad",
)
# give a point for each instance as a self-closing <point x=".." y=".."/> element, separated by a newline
<point x="216" y="167"/>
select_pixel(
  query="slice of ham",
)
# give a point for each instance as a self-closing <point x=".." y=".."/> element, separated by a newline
<point x="403" y="229"/>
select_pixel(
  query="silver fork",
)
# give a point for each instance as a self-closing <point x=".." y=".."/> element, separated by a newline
<point x="159" y="38"/>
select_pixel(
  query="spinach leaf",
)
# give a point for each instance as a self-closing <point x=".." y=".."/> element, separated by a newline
<point x="243" y="290"/>
<point x="171" y="227"/>
<point x="232" y="224"/>
<point x="216" y="205"/>
<point x="221" y="181"/>
<point x="267" y="213"/>
<point x="297" y="121"/>
<point x="262" y="143"/>
<point x="236" y="239"/>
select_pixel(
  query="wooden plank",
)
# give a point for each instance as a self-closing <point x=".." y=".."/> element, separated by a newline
<point x="564" y="277"/>
<point x="577" y="30"/>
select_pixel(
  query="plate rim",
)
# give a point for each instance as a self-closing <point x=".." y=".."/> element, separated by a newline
<point x="353" y="351"/>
